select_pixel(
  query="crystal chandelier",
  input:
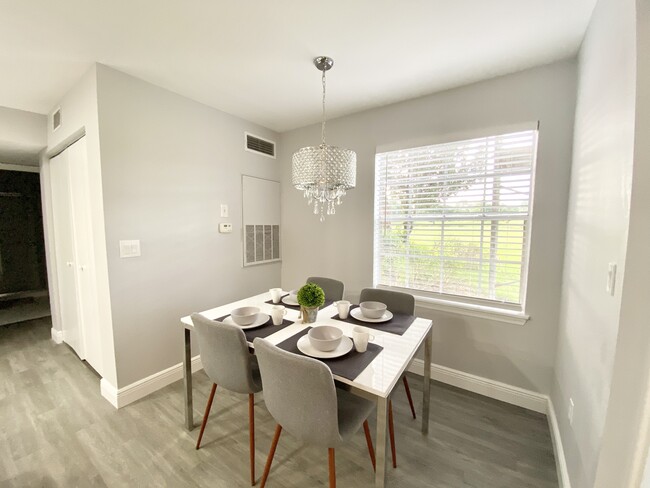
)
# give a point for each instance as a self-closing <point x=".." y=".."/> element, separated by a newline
<point x="324" y="172"/>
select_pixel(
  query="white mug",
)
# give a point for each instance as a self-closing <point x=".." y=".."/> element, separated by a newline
<point x="276" y="293"/>
<point x="343" y="307"/>
<point x="361" y="336"/>
<point x="277" y="314"/>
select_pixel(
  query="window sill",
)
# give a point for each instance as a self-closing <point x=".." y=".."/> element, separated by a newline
<point x="471" y="310"/>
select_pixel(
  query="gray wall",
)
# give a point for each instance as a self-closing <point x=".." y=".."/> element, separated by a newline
<point x="342" y="246"/>
<point x="597" y="232"/>
<point x="22" y="136"/>
<point x="167" y="165"/>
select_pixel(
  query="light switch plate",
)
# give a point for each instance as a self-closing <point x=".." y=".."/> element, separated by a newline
<point x="224" y="210"/>
<point x="130" y="249"/>
<point x="225" y="228"/>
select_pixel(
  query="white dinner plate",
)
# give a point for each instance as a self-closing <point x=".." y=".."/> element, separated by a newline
<point x="357" y="314"/>
<point x="290" y="301"/>
<point x="261" y="319"/>
<point x="343" y="348"/>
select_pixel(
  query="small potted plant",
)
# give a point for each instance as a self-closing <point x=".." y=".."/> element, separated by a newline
<point x="310" y="297"/>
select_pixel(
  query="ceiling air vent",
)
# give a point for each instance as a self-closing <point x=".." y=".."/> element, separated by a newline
<point x="260" y="146"/>
<point x="56" y="119"/>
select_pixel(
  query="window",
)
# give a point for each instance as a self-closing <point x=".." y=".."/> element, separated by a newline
<point x="452" y="220"/>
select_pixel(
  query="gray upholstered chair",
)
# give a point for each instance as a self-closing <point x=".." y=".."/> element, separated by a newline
<point x="299" y="393"/>
<point x="400" y="303"/>
<point x="333" y="288"/>
<point x="227" y="362"/>
<point x="395" y="301"/>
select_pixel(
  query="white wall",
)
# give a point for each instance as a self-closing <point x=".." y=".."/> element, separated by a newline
<point x="597" y="231"/>
<point x="626" y="436"/>
<point x="22" y="136"/>
<point x="167" y="165"/>
<point x="79" y="117"/>
<point x="342" y="246"/>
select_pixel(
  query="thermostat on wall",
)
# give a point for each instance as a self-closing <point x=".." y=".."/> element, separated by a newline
<point x="225" y="228"/>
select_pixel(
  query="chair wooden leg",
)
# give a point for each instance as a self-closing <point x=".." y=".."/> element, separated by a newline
<point x="207" y="414"/>
<point x="408" y="395"/>
<point x="269" y="459"/>
<point x="371" y="450"/>
<point x="391" y="433"/>
<point x="330" y="453"/>
<point x="251" y="434"/>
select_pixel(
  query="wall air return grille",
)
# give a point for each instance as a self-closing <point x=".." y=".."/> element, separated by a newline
<point x="56" y="119"/>
<point x="260" y="146"/>
<point x="261" y="244"/>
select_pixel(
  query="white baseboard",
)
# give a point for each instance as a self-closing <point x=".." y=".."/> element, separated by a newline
<point x="108" y="391"/>
<point x="538" y="402"/>
<point x="558" y="449"/>
<point x="514" y="395"/>
<point x="135" y="391"/>
<point x="57" y="335"/>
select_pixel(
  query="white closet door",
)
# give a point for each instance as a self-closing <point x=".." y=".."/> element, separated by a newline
<point x="65" y="253"/>
<point x="84" y="252"/>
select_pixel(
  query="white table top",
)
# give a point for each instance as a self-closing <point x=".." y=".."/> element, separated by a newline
<point x="380" y="376"/>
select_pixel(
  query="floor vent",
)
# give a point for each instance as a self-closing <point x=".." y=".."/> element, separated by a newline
<point x="260" y="146"/>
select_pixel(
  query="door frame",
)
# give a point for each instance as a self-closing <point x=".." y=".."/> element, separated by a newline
<point x="48" y="232"/>
<point x="23" y="168"/>
<point x="82" y="122"/>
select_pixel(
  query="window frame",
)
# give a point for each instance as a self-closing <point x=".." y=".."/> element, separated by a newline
<point x="497" y="310"/>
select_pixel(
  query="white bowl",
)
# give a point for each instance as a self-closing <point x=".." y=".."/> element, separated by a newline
<point x="294" y="294"/>
<point x="372" y="310"/>
<point x="325" y="337"/>
<point x="244" y="315"/>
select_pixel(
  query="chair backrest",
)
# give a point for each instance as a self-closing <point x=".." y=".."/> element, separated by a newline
<point x="224" y="354"/>
<point x="333" y="288"/>
<point x="299" y="393"/>
<point x="396" y="301"/>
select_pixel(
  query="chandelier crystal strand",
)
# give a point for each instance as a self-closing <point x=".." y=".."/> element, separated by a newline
<point x="323" y="172"/>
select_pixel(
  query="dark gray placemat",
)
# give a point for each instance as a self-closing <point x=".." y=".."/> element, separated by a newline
<point x="349" y="366"/>
<point x="294" y="307"/>
<point x="297" y="307"/>
<point x="397" y="325"/>
<point x="262" y="331"/>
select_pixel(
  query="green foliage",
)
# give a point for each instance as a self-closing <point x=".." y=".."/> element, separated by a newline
<point x="466" y="258"/>
<point x="311" y="295"/>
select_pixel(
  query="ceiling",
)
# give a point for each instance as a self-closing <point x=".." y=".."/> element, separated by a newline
<point x="253" y="58"/>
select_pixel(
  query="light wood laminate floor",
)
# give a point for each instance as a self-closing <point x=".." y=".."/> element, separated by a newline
<point x="56" y="430"/>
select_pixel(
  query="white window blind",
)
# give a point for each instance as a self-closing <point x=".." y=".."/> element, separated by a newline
<point x="453" y="219"/>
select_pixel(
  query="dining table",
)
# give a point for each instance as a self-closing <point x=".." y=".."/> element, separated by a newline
<point x="395" y="344"/>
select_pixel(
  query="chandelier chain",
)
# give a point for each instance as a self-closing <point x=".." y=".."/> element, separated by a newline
<point x="322" y="132"/>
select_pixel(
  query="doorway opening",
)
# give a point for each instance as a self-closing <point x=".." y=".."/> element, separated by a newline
<point x="23" y="274"/>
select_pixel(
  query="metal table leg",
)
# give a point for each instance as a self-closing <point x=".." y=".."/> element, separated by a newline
<point x="380" y="443"/>
<point x="187" y="381"/>
<point x="427" y="382"/>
